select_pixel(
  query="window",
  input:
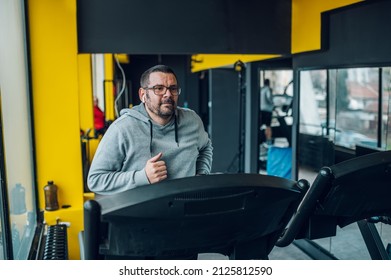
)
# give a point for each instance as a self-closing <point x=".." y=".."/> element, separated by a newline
<point x="357" y="107"/>
<point x="386" y="109"/>
<point x="18" y="166"/>
<point x="313" y="102"/>
<point x="353" y="109"/>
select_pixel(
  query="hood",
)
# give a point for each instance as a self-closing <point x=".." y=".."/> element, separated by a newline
<point x="137" y="112"/>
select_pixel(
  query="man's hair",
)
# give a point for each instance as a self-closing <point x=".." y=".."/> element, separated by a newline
<point x="144" y="80"/>
<point x="267" y="82"/>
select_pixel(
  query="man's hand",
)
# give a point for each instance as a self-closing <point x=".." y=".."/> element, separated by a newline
<point x="156" y="169"/>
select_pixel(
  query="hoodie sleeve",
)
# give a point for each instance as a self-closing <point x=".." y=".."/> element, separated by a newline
<point x="204" y="159"/>
<point x="106" y="175"/>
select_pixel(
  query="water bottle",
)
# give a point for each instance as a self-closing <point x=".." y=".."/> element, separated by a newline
<point x="51" y="202"/>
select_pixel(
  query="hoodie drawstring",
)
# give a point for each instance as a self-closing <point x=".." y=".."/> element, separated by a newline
<point x="151" y="133"/>
<point x="150" y="136"/>
<point x="176" y="130"/>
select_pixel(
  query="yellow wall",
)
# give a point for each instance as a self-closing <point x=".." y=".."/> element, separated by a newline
<point x="306" y="22"/>
<point x="55" y="91"/>
<point x="208" y="61"/>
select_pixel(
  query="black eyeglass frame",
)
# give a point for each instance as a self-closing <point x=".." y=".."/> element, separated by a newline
<point x="170" y="88"/>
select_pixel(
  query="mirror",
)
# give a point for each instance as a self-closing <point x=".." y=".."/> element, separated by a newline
<point x="275" y="155"/>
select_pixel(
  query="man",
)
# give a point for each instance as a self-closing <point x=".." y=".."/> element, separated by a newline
<point x="267" y="106"/>
<point x="153" y="141"/>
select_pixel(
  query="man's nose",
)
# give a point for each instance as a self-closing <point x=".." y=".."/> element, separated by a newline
<point x="168" y="92"/>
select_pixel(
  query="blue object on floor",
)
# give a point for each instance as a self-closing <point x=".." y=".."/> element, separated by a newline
<point x="279" y="162"/>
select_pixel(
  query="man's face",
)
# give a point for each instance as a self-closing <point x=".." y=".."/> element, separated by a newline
<point x="163" y="106"/>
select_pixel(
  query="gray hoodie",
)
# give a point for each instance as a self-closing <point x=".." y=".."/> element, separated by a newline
<point x="133" y="139"/>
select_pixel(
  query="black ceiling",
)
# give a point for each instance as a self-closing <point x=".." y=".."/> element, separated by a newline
<point x="184" y="26"/>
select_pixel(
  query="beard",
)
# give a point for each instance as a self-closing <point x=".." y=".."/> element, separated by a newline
<point x="164" y="109"/>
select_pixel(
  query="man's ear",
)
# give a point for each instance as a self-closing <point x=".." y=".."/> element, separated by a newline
<point x="141" y="95"/>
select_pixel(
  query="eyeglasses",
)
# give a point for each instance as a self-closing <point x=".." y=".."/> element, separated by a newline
<point x="161" y="90"/>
